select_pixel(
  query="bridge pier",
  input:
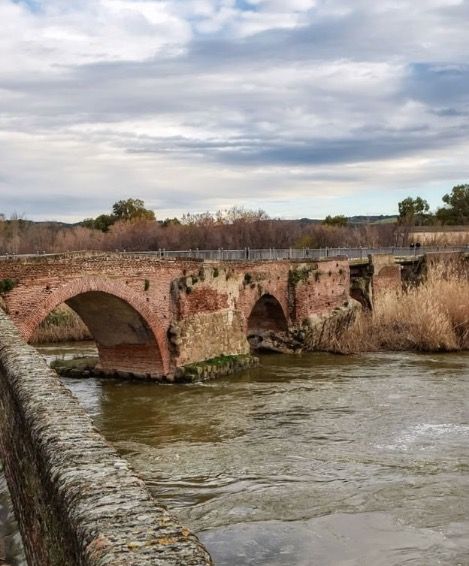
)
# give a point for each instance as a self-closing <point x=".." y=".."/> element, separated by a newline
<point x="132" y="358"/>
<point x="370" y="279"/>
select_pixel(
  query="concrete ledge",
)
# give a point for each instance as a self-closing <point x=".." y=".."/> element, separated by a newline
<point x="77" y="502"/>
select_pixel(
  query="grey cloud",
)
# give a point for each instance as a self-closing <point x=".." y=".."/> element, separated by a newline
<point x="439" y="84"/>
<point x="313" y="151"/>
<point x="37" y="204"/>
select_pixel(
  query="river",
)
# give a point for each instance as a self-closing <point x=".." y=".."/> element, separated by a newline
<point x="308" y="460"/>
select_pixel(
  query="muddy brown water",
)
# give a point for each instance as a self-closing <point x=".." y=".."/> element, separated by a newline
<point x="308" y="460"/>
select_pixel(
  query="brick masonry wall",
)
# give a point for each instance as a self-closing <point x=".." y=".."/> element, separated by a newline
<point x="385" y="274"/>
<point x="318" y="288"/>
<point x="214" y="307"/>
<point x="76" y="501"/>
<point x="189" y="309"/>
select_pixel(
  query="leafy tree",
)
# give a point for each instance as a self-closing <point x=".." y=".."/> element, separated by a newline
<point x="413" y="212"/>
<point x="102" y="222"/>
<point x="456" y="210"/>
<point x="126" y="210"/>
<point x="339" y="220"/>
<point x="132" y="209"/>
<point x="171" y="222"/>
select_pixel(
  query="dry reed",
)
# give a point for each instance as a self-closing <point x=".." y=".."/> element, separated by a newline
<point x="61" y="325"/>
<point x="430" y="317"/>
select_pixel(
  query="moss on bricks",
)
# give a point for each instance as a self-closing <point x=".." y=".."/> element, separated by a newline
<point x="215" y="367"/>
<point x="300" y="275"/>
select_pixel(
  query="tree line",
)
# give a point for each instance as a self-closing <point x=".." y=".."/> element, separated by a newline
<point x="133" y="227"/>
<point x="235" y="228"/>
<point x="455" y="212"/>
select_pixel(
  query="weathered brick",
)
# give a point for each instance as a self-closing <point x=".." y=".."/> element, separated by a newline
<point x="204" y="307"/>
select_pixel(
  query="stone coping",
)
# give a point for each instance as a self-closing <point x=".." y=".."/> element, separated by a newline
<point x="91" y="492"/>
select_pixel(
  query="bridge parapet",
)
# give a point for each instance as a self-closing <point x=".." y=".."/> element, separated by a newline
<point x="76" y="501"/>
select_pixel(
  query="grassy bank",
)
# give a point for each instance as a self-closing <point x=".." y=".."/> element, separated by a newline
<point x="61" y="325"/>
<point x="432" y="317"/>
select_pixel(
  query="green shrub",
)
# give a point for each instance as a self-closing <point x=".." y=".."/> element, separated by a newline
<point x="7" y="285"/>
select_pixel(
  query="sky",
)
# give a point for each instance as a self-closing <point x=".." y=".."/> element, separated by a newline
<point x="300" y="107"/>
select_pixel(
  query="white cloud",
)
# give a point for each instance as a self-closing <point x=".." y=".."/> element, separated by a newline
<point x="193" y="104"/>
<point x="87" y="32"/>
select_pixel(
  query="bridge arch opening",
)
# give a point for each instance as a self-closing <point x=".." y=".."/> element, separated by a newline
<point x="267" y="314"/>
<point x="124" y="338"/>
<point x="267" y="325"/>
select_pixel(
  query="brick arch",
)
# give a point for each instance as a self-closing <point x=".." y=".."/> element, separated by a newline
<point x="249" y="298"/>
<point x="112" y="293"/>
<point x="266" y="313"/>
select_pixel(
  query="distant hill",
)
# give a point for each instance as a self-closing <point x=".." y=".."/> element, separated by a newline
<point x="381" y="219"/>
<point x="378" y="219"/>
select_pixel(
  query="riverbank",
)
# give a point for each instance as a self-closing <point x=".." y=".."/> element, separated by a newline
<point x="430" y="317"/>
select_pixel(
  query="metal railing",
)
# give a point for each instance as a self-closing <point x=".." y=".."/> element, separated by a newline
<point x="266" y="254"/>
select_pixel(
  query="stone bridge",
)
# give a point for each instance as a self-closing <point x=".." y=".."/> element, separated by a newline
<point x="151" y="316"/>
<point x="76" y="501"/>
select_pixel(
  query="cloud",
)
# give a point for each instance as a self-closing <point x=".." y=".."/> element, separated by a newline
<point x="195" y="104"/>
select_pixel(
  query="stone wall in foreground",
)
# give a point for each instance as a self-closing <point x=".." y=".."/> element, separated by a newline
<point x="77" y="502"/>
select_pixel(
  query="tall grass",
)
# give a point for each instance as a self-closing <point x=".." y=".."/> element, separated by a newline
<point x="61" y="325"/>
<point x="430" y="317"/>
